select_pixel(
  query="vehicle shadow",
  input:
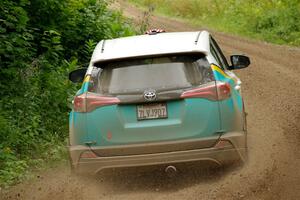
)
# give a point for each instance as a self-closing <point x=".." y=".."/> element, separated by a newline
<point x="155" y="179"/>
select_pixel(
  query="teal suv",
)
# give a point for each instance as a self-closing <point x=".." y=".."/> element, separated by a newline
<point x="159" y="98"/>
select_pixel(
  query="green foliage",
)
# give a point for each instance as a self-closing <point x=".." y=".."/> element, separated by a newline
<point x="40" y="43"/>
<point x="276" y="21"/>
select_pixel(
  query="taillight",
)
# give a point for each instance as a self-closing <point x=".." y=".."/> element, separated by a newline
<point x="80" y="103"/>
<point x="87" y="102"/>
<point x="224" y="91"/>
<point x="215" y="91"/>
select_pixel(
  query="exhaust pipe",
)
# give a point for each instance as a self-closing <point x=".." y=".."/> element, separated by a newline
<point x="171" y="171"/>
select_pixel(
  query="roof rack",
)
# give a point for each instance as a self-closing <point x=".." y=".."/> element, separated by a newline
<point x="154" y="31"/>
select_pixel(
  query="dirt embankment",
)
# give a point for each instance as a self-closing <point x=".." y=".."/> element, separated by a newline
<point x="271" y="88"/>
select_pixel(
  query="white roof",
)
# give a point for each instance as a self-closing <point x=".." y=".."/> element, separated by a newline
<point x="157" y="44"/>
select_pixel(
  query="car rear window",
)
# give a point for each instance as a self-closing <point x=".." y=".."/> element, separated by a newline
<point x="158" y="73"/>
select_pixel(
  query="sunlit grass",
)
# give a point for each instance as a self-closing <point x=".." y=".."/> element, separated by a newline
<point x="275" y="21"/>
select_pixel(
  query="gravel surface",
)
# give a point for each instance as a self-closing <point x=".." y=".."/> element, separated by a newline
<point x="271" y="88"/>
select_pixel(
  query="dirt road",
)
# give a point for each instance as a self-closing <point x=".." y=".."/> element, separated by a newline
<point x="271" y="88"/>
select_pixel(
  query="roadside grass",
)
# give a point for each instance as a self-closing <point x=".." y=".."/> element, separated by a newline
<point x="40" y="43"/>
<point x="16" y="170"/>
<point x="276" y="21"/>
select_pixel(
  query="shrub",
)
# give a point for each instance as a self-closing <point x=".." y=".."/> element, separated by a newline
<point x="40" y="43"/>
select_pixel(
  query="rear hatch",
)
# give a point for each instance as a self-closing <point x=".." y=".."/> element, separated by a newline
<point x="159" y="101"/>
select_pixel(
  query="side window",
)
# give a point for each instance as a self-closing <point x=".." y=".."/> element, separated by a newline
<point x="216" y="50"/>
<point x="215" y="55"/>
<point x="94" y="79"/>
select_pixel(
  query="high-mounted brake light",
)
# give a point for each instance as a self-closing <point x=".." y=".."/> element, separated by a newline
<point x="213" y="91"/>
<point x="87" y="102"/>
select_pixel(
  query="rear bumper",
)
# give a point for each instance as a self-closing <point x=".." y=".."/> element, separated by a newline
<point x="233" y="149"/>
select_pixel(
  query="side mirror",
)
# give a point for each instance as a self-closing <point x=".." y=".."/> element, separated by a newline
<point x="239" y="62"/>
<point x="77" y="75"/>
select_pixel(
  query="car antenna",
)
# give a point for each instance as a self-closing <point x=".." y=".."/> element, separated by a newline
<point x="102" y="48"/>
<point x="197" y="38"/>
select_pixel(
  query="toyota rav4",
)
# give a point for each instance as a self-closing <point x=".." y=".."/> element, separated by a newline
<point x="159" y="98"/>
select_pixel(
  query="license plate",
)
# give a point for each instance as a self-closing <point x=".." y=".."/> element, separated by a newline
<point x="152" y="111"/>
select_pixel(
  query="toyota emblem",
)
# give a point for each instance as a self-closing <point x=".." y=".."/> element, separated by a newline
<point x="149" y="95"/>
